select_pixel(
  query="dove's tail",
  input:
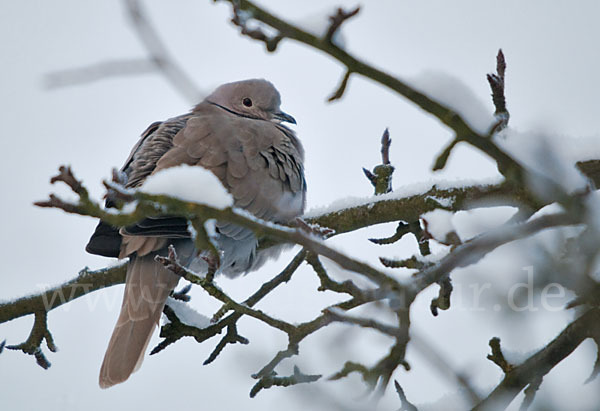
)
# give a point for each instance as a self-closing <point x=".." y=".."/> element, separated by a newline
<point x="148" y="284"/>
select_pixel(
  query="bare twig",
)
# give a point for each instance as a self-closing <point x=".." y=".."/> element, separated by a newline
<point x="274" y="380"/>
<point x="497" y="357"/>
<point x="539" y="364"/>
<point x="350" y="367"/>
<point x="159" y="53"/>
<point x="182" y="295"/>
<point x="381" y="176"/>
<point x="442" y="158"/>
<point x="329" y="284"/>
<point x="231" y="337"/>
<point x="98" y="71"/>
<point x="33" y="344"/>
<point x="337" y="20"/>
<point x="402" y="229"/>
<point x="497" y="85"/>
<point x="412" y="262"/>
<point x="442" y="301"/>
<point x="66" y="176"/>
<point x="386" y="142"/>
<point x="341" y="88"/>
<point x="240" y="18"/>
<point x="338" y="316"/>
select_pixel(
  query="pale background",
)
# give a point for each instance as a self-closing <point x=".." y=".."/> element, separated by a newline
<point x="552" y="85"/>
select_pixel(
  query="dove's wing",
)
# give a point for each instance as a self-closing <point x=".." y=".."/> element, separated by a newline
<point x="154" y="142"/>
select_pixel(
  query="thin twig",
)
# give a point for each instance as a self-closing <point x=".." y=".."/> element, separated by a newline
<point x="497" y="357"/>
<point x="33" y="344"/>
<point x="98" y="71"/>
<point x="341" y="88"/>
<point x="337" y="20"/>
<point x="159" y="53"/>
<point x="381" y="175"/>
<point x="497" y="85"/>
<point x="159" y="60"/>
<point x="540" y="363"/>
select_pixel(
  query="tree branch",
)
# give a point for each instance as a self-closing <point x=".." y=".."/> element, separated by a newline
<point x="85" y="283"/>
<point x="158" y="60"/>
<point x="541" y="362"/>
<point x="449" y="117"/>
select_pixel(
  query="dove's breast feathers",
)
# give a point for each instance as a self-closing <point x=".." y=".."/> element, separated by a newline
<point x="259" y="162"/>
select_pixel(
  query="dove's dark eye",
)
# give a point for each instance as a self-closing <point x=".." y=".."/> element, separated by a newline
<point x="247" y="102"/>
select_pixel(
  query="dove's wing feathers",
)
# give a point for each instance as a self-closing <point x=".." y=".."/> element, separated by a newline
<point x="153" y="143"/>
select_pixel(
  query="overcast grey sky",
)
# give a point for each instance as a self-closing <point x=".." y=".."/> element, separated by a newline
<point x="552" y="85"/>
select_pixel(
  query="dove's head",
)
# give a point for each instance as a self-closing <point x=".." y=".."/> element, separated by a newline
<point x="254" y="98"/>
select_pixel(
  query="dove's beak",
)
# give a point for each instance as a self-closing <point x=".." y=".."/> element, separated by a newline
<point x="281" y="116"/>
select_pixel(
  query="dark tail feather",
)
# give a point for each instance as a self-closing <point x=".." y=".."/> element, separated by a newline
<point x="106" y="241"/>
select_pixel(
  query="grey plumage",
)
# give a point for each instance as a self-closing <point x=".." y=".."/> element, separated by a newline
<point x="237" y="134"/>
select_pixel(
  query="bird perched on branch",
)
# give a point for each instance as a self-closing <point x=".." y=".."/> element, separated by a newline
<point x="237" y="134"/>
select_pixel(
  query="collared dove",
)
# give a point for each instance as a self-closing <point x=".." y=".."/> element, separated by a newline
<point x="236" y="133"/>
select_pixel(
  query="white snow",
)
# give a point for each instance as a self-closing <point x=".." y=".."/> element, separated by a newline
<point x="188" y="315"/>
<point x="550" y="156"/>
<point x="457" y="400"/>
<point x="400" y="192"/>
<point x="250" y="216"/>
<point x="189" y="183"/>
<point x="455" y="94"/>
<point x="444" y="202"/>
<point x="128" y="208"/>
<point x="515" y="357"/>
<point x="435" y="256"/>
<point x="550" y="209"/>
<point x="210" y="226"/>
<point x="577" y="149"/>
<point x="439" y="224"/>
<point x="473" y="222"/>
